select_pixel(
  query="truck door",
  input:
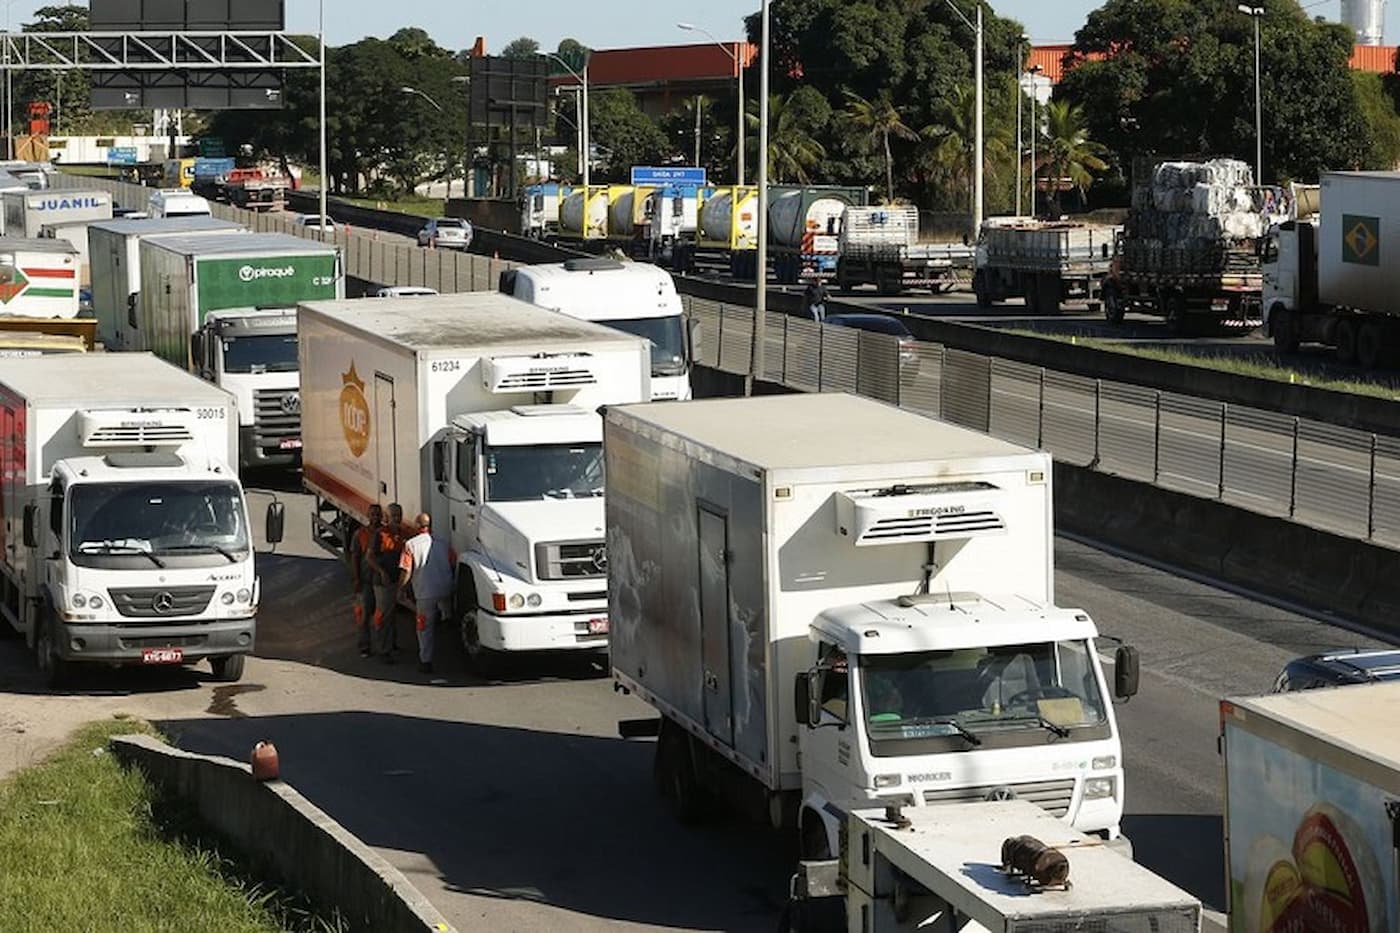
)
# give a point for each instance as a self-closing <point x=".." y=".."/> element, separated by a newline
<point x="385" y="434"/>
<point x="716" y="693"/>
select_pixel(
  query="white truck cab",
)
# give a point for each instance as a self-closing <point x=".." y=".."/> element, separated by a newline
<point x="252" y="354"/>
<point x="176" y="202"/>
<point x="637" y="298"/>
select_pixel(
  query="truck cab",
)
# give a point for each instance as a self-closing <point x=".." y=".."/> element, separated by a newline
<point x="177" y="202"/>
<point x="635" y="298"/>
<point x="524" y="489"/>
<point x="252" y="353"/>
<point x="944" y="698"/>
<point x="668" y="217"/>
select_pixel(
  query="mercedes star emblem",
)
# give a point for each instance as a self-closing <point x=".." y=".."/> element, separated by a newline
<point x="599" y="556"/>
<point x="163" y="603"/>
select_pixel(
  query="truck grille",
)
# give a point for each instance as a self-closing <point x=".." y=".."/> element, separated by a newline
<point x="156" y="602"/>
<point x="276" y="416"/>
<point x="571" y="560"/>
<point x="1053" y="797"/>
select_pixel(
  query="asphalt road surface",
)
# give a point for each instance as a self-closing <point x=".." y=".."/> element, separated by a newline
<point x="514" y="805"/>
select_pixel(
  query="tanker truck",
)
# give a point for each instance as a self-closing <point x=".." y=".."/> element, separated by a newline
<point x="804" y="229"/>
<point x="583" y="214"/>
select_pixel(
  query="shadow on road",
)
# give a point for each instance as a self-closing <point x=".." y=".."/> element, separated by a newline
<point x="1184" y="848"/>
<point x="505" y="813"/>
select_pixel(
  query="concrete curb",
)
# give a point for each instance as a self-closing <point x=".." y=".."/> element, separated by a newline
<point x="283" y="833"/>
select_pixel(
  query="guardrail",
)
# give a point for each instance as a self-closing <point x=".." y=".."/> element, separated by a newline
<point x="1328" y="477"/>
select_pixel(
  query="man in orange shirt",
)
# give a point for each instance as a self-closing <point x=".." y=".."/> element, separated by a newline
<point x="362" y="577"/>
<point x="386" y="548"/>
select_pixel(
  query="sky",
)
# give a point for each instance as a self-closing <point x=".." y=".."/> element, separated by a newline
<point x="455" y="24"/>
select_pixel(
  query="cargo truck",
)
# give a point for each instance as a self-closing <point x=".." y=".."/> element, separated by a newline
<point x="1045" y="262"/>
<point x="583" y="213"/>
<point x="39" y="290"/>
<point x="114" y="251"/>
<point x="27" y="212"/>
<point x="1312" y="809"/>
<point x="222" y="305"/>
<point x="826" y="626"/>
<point x="124" y="535"/>
<point x="881" y="246"/>
<point x="480" y="410"/>
<point x="1331" y="279"/>
<point x="637" y="298"/>
<point x="539" y="213"/>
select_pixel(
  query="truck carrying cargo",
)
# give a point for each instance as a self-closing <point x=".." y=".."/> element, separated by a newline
<point x="480" y="410"/>
<point x="1044" y="262"/>
<point x="830" y="626"/>
<point x="26" y="212"/>
<point x="39" y="290"/>
<point x="124" y="535"/>
<point x="232" y="297"/>
<point x="881" y="246"/>
<point x="1332" y="279"/>
<point x="1312" y="809"/>
<point x="115" y="255"/>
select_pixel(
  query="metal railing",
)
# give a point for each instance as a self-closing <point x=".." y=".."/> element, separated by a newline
<point x="1325" y="476"/>
<point x="369" y="255"/>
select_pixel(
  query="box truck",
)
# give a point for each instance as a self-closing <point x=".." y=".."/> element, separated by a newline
<point x="1332" y="280"/>
<point x="27" y="212"/>
<point x="39" y="290"/>
<point x="114" y="252"/>
<point x="480" y="410"/>
<point x="830" y="625"/>
<point x="637" y="298"/>
<point x="124" y="535"/>
<point x="1312" y="809"/>
<point x="223" y="306"/>
<point x="881" y="246"/>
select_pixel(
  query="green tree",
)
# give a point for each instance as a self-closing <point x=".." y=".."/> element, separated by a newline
<point x="523" y="47"/>
<point x="623" y="134"/>
<point x="948" y="160"/>
<point x="793" y="150"/>
<point x="879" y="119"/>
<point x="1377" y="96"/>
<point x="1066" y="151"/>
<point x="69" y="91"/>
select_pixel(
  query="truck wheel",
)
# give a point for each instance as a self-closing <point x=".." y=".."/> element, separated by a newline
<point x="1344" y="338"/>
<point x="482" y="659"/>
<point x="1113" y="305"/>
<point x="888" y="282"/>
<point x="815" y="846"/>
<point x="57" y="672"/>
<point x="1173" y="305"/>
<point x="229" y="669"/>
<point x="1031" y="294"/>
<point x="980" y="289"/>
<point x="674" y="772"/>
<point x="1370" y="344"/>
<point x="1283" y="328"/>
<point x="1050" y="295"/>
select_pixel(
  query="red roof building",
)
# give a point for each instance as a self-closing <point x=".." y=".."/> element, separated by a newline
<point x="664" y="76"/>
<point x="1378" y="59"/>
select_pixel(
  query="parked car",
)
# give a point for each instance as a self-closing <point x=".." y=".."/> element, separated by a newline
<point x="883" y="324"/>
<point x="446" y="233"/>
<point x="1337" y="668"/>
<point x="313" y="221"/>
<point x="404" y="291"/>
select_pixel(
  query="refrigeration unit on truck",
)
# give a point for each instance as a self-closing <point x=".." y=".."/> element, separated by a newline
<point x="1334" y="279"/>
<point x="125" y="531"/>
<point x="1045" y="262"/>
<point x="482" y="411"/>
<point x="1312" y="809"/>
<point x="223" y="306"/>
<point x="114" y="251"/>
<point x="39" y="290"/>
<point x="881" y="246"/>
<point x="837" y="604"/>
<point x="637" y="298"/>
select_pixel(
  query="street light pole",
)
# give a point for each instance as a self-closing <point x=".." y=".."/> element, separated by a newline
<point x="1020" y="92"/>
<point x="738" y="57"/>
<point x="325" y="159"/>
<point x="979" y="168"/>
<point x="1256" y="13"/>
<point x="582" y="79"/>
<point x="761" y="264"/>
<point x="1034" y="72"/>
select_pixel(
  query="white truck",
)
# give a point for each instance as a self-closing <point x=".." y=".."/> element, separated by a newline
<point x="28" y="212"/>
<point x="1312" y="809"/>
<point x="881" y="246"/>
<point x="124" y="534"/>
<point x="836" y="604"/>
<point x="223" y="306"/>
<point x="1045" y="262"/>
<point x="39" y="290"/>
<point x="637" y="298"/>
<point x="1332" y="279"/>
<point x="114" y="251"/>
<point x="480" y="410"/>
<point x="176" y="202"/>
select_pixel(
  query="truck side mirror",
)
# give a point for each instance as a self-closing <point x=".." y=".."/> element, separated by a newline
<point x="1126" y="672"/>
<point x="1104" y="250"/>
<point x="802" y="699"/>
<point x="440" y="462"/>
<point x="276" y="522"/>
<point x="31" y="526"/>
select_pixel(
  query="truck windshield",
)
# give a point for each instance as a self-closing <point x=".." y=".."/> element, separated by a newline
<point x="544" y="471"/>
<point x="119" y="523"/>
<point x="1004" y="695"/>
<point x="667" y="336"/>
<point x="260" y="353"/>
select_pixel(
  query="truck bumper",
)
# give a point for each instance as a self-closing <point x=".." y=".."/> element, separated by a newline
<point x="254" y="451"/>
<point x="541" y="633"/>
<point x="125" y="644"/>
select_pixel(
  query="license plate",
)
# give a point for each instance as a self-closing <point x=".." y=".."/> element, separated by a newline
<point x="162" y="655"/>
<point x="597" y="626"/>
<point x="290" y="443"/>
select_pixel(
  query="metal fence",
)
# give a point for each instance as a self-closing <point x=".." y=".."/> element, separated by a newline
<point x="369" y="255"/>
<point x="1318" y="474"/>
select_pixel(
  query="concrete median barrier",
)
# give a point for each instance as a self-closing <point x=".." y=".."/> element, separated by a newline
<point x="285" y="836"/>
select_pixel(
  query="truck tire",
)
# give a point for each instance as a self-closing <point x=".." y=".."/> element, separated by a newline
<point x="1344" y="339"/>
<point x="1114" y="307"/>
<point x="1370" y="344"/>
<point x="888" y="282"/>
<point x="1030" y="292"/>
<point x="1283" y="328"/>
<point x="483" y="660"/>
<point x="1051" y="293"/>
<point x="57" y="672"/>
<point x="1173" y="307"/>
<point x="228" y="669"/>
<point x="814" y="846"/>
<point x="981" y="290"/>
<point x="674" y="773"/>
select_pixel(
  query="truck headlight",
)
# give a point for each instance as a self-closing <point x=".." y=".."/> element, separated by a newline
<point x="245" y="595"/>
<point x="516" y="601"/>
<point x="227" y="598"/>
<point x="78" y="600"/>
<point x="95" y="602"/>
<point x="1105" y="763"/>
<point x="533" y="600"/>
<point x="882" y="781"/>
<point x="1102" y="788"/>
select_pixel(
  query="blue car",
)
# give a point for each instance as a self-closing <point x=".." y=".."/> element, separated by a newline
<point x="1336" y="668"/>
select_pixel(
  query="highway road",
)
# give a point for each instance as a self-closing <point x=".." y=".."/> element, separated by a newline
<point x="514" y="805"/>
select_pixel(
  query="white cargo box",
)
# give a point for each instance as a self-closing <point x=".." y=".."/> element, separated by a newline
<point x="1358" y="246"/>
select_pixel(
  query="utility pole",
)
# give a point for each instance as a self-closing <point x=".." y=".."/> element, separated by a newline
<point x="1020" y="92"/>
<point x="756" y="368"/>
<point x="325" y="158"/>
<point x="698" y="100"/>
<point x="1256" y="13"/>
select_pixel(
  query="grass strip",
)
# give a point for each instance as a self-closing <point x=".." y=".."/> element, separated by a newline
<point x="88" y="845"/>
<point x="423" y="207"/>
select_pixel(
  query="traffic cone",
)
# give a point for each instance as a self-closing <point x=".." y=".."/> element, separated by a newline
<point x="265" y="763"/>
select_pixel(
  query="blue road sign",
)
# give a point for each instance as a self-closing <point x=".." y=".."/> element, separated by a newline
<point x="681" y="176"/>
<point x="121" y="155"/>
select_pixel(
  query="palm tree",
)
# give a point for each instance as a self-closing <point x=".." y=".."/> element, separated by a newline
<point x="1069" y="154"/>
<point x="792" y="152"/>
<point x="879" y="119"/>
<point x="954" y="138"/>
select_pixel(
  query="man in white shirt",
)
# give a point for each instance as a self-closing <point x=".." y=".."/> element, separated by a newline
<point x="427" y="563"/>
